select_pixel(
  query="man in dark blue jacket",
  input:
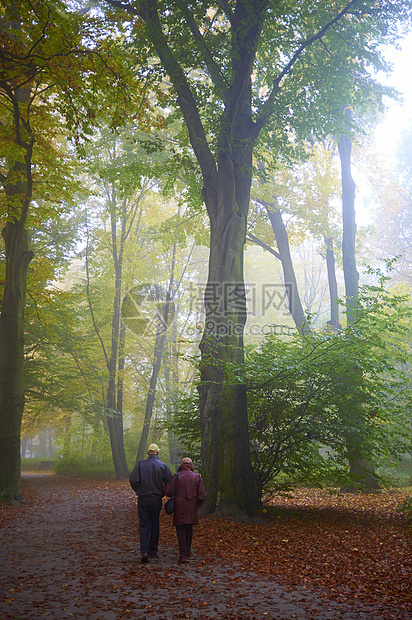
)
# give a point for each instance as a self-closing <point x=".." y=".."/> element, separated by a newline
<point x="151" y="475"/>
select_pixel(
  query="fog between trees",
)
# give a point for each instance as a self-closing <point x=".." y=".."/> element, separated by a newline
<point x="214" y="220"/>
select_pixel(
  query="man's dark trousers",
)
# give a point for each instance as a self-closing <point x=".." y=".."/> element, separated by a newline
<point x="148" y="509"/>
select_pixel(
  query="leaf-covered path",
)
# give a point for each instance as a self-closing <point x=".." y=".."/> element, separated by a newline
<point x="73" y="553"/>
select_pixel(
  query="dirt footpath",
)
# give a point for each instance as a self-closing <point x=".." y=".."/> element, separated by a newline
<point x="73" y="553"/>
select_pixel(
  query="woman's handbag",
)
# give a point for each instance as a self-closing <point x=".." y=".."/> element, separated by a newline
<point x="170" y="504"/>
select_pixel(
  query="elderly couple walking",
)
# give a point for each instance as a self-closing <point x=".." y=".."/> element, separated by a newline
<point x="151" y="480"/>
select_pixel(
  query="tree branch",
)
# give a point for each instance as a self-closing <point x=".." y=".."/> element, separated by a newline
<point x="247" y="25"/>
<point x="125" y="6"/>
<point x="267" y="107"/>
<point x="217" y="78"/>
<point x="262" y="244"/>
<point x="89" y="297"/>
<point x="185" y="98"/>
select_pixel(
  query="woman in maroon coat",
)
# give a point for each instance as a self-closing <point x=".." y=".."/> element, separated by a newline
<point x="189" y="494"/>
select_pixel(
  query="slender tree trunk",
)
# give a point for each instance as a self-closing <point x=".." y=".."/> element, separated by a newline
<point x="50" y="444"/>
<point x="120" y="368"/>
<point x="67" y="436"/>
<point x="23" y="445"/>
<point x="114" y="415"/>
<point x="171" y="372"/>
<point x="333" y="286"/>
<point x="289" y="277"/>
<point x="350" y="272"/>
<point x="42" y="443"/>
<point x="361" y="469"/>
<point x="160" y="342"/>
<point x="118" y="429"/>
<point x="151" y="395"/>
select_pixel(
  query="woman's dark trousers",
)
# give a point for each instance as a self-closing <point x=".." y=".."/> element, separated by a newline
<point x="184" y="538"/>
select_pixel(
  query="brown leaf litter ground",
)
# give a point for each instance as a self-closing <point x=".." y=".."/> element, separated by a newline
<point x="72" y="553"/>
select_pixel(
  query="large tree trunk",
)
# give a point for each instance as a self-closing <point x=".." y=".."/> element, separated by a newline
<point x="227" y="175"/>
<point x="18" y="188"/>
<point x="362" y="471"/>
<point x="18" y="257"/>
<point x="226" y="461"/>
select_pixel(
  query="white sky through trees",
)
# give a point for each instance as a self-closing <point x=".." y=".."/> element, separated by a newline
<point x="398" y="116"/>
<point x="388" y="131"/>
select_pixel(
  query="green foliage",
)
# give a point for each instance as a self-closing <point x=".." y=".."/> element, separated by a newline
<point x="397" y="473"/>
<point x="84" y="450"/>
<point x="304" y="393"/>
<point x="62" y="372"/>
<point x="34" y="463"/>
<point x="84" y="466"/>
<point x="59" y="70"/>
<point x="308" y="389"/>
<point x="185" y="425"/>
<point x="310" y="58"/>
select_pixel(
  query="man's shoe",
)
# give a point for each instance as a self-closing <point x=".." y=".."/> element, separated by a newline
<point x="182" y="560"/>
<point x="145" y="558"/>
